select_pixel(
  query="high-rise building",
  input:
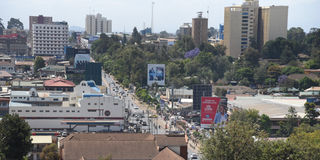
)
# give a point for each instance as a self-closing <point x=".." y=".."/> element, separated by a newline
<point x="185" y="29"/>
<point x="39" y="20"/>
<point x="199" y="29"/>
<point x="91" y="25"/>
<point x="200" y="90"/>
<point x="240" y="25"/>
<point x="273" y="23"/>
<point x="97" y="24"/>
<point x="49" y="39"/>
<point x="250" y="23"/>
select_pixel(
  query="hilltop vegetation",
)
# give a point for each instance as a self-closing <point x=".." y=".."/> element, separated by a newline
<point x="127" y="60"/>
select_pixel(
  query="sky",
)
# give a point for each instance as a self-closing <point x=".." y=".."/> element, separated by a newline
<point x="168" y="14"/>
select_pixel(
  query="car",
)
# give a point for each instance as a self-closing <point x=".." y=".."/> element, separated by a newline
<point x="135" y="107"/>
<point x="193" y="156"/>
<point x="64" y="134"/>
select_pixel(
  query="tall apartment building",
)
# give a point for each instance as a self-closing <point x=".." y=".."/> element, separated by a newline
<point x="185" y="29"/>
<point x="97" y="24"/>
<point x="273" y="23"/>
<point x="49" y="39"/>
<point x="38" y="20"/>
<point x="199" y="29"/>
<point x="249" y="21"/>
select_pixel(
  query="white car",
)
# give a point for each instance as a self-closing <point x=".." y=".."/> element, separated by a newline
<point x="193" y="156"/>
<point x="135" y="107"/>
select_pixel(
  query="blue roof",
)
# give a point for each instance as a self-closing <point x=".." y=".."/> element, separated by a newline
<point x="93" y="86"/>
<point x="87" y="95"/>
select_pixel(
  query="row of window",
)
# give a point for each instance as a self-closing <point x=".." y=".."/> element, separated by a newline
<point x="52" y="45"/>
<point x="56" y="49"/>
<point x="46" y="31"/>
<point x="78" y="111"/>
<point x="40" y="27"/>
<point x="53" y="41"/>
<point x="53" y="52"/>
<point x="38" y="38"/>
<point x="101" y="104"/>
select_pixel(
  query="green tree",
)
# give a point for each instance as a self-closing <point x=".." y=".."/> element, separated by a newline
<point x="265" y="123"/>
<point x="1" y="27"/>
<point x="135" y="37"/>
<point x="38" y="63"/>
<point x="50" y="152"/>
<point x="306" y="82"/>
<point x="296" y="34"/>
<point x="15" y="23"/>
<point x="164" y="34"/>
<point x="220" y="92"/>
<point x="291" y="70"/>
<point x="15" y="141"/>
<point x="287" y="127"/>
<point x="251" y="57"/>
<point x="311" y="113"/>
<point x="235" y="141"/>
<point x="287" y="55"/>
<point x="108" y="157"/>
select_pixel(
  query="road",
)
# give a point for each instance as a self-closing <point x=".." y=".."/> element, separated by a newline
<point x="140" y="111"/>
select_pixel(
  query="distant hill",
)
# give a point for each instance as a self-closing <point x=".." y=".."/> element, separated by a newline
<point x="76" y="29"/>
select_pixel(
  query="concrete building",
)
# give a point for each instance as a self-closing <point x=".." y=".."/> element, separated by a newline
<point x="38" y="143"/>
<point x="13" y="44"/>
<point x="97" y="24"/>
<point x="49" y="39"/>
<point x="58" y="84"/>
<point x="240" y="25"/>
<point x="185" y="29"/>
<point x="273" y="23"/>
<point x="39" y="20"/>
<point x="199" y="29"/>
<point x="249" y="21"/>
<point x="200" y="90"/>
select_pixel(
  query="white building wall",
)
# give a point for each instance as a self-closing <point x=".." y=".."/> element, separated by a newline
<point x="49" y="39"/>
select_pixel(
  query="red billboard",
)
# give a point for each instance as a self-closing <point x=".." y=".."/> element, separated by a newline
<point x="209" y="106"/>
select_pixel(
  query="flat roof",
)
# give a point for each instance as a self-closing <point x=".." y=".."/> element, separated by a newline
<point x="107" y="122"/>
<point x="41" y="139"/>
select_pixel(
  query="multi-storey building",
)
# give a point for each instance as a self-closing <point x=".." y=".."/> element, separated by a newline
<point x="250" y="23"/>
<point x="97" y="24"/>
<point x="199" y="29"/>
<point x="273" y="23"/>
<point x="185" y="29"/>
<point x="13" y="44"/>
<point x="49" y="39"/>
<point x="39" y="20"/>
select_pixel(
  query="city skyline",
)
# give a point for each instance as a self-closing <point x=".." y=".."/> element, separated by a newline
<point x="128" y="14"/>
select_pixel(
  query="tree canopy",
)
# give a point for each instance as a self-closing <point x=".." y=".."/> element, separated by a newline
<point x="15" y="23"/>
<point x="15" y="141"/>
<point x="50" y="152"/>
<point x="38" y="63"/>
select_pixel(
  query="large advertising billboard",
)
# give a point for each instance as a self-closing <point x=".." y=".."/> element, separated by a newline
<point x="209" y="107"/>
<point x="156" y="74"/>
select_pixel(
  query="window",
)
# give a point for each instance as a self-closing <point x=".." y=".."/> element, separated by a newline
<point x="115" y="103"/>
<point x="55" y="99"/>
<point x="27" y="110"/>
<point x="95" y="104"/>
<point x="245" y="13"/>
<point x="78" y="111"/>
<point x="13" y="110"/>
<point x="41" y="111"/>
<point x="73" y="111"/>
<point x="47" y="111"/>
<point x="67" y="110"/>
<point x="89" y="104"/>
<point x="19" y="110"/>
<point x="101" y="104"/>
<point x="92" y="110"/>
<point x="33" y="110"/>
<point x="42" y="99"/>
<point x="60" y="110"/>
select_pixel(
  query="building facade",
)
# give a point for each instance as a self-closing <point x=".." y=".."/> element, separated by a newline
<point x="200" y="90"/>
<point x="199" y="29"/>
<point x="97" y="24"/>
<point x="273" y="23"/>
<point x="185" y="29"/>
<point x="49" y="39"/>
<point x="13" y="44"/>
<point x="250" y="23"/>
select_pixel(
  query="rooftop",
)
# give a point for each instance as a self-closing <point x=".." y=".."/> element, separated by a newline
<point x="5" y="74"/>
<point x="166" y="154"/>
<point x="58" y="82"/>
<point x="41" y="139"/>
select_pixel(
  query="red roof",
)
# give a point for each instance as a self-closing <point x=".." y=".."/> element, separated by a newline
<point x="58" y="82"/>
<point x="9" y="36"/>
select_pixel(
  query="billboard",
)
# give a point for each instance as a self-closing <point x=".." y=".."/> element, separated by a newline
<point x="209" y="107"/>
<point x="156" y="74"/>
